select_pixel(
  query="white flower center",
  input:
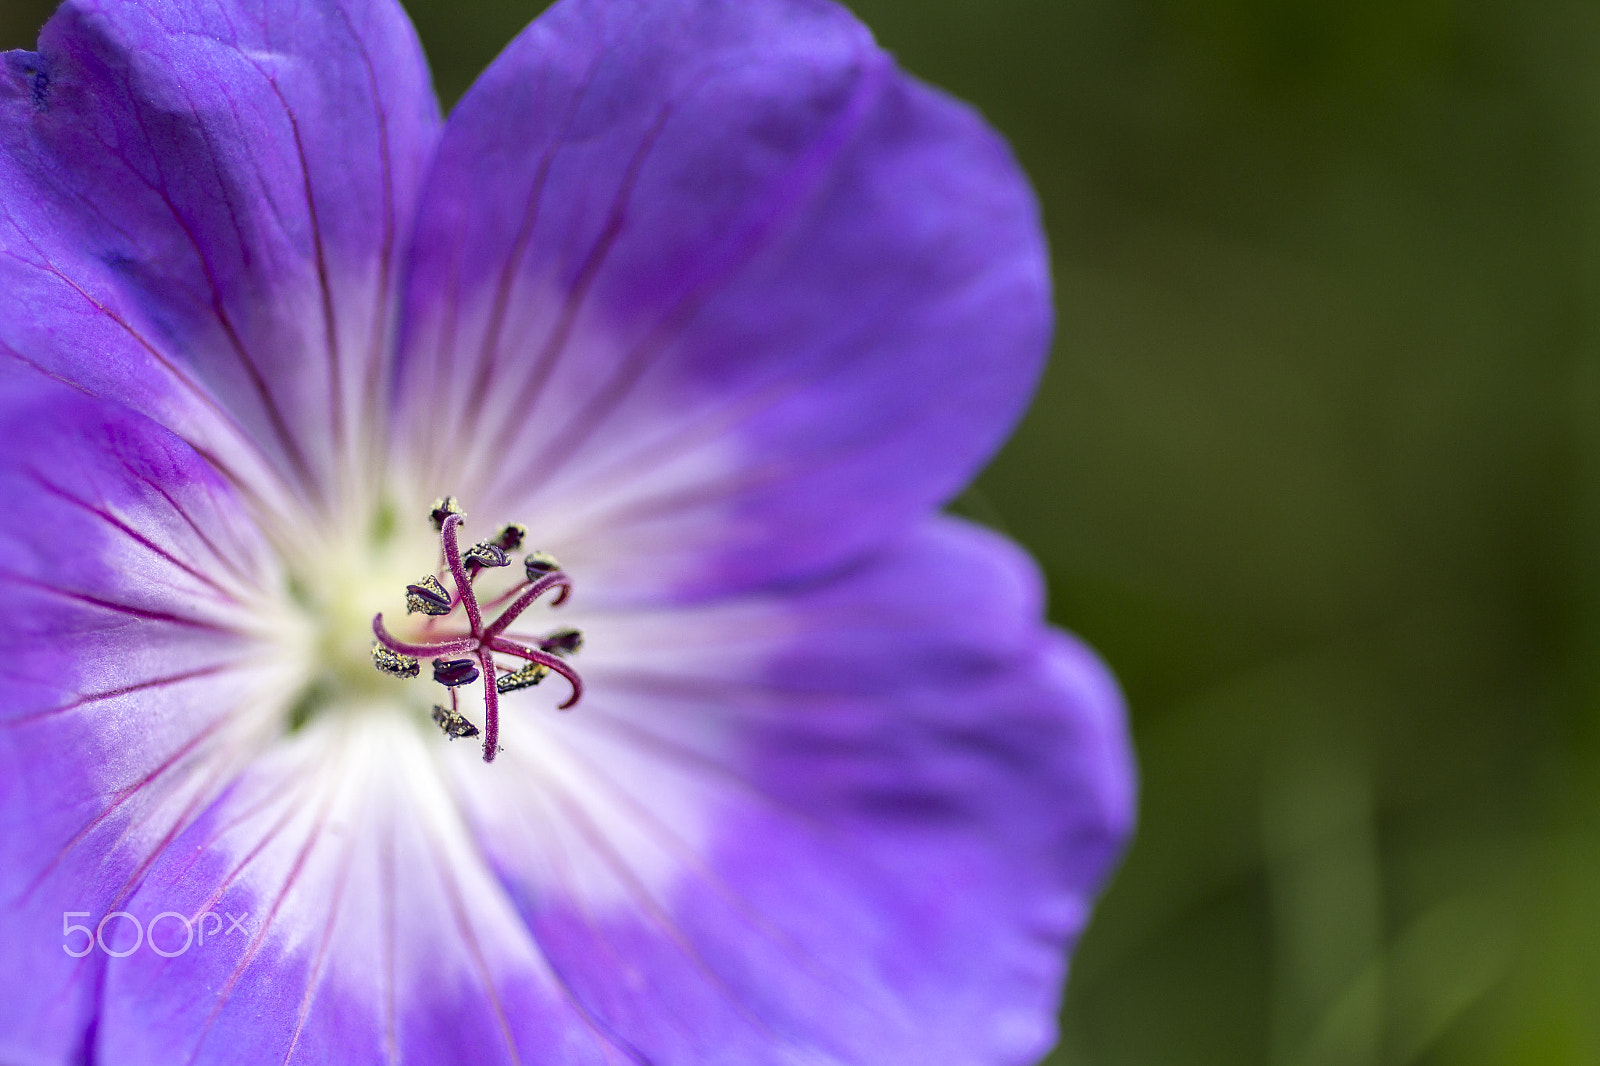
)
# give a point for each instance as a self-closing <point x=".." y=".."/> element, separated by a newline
<point x="369" y="622"/>
<point x="336" y="587"/>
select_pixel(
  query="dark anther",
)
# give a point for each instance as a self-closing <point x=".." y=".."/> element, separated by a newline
<point x="443" y="509"/>
<point x="453" y="724"/>
<point x="539" y="564"/>
<point x="528" y="676"/>
<point x="485" y="554"/>
<point x="392" y="662"/>
<point x="427" y="597"/>
<point x="452" y="673"/>
<point x="510" y="537"/>
<point x="562" y="642"/>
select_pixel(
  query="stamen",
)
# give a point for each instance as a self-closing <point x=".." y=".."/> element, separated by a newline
<point x="430" y="597"/>
<point x="453" y="724"/>
<point x="453" y="673"/>
<point x="486" y="554"/>
<point x="539" y="564"/>
<point x="443" y="509"/>
<point x="526" y="676"/>
<point x="563" y="642"/>
<point x="510" y="537"/>
<point x="391" y="662"/>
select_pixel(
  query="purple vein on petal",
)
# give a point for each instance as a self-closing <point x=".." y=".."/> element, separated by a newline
<point x="246" y="361"/>
<point x="672" y="842"/>
<point x="555" y="346"/>
<point x="625" y="873"/>
<point x="314" y="979"/>
<point x="489" y="354"/>
<point x="634" y="468"/>
<point x="648" y="742"/>
<point x="330" y="323"/>
<point x="135" y="881"/>
<point x="124" y="690"/>
<point x="203" y="849"/>
<point x="258" y="381"/>
<point x="609" y="1040"/>
<point x="463" y="922"/>
<point x="561" y="861"/>
<point x="651" y="742"/>
<point x="286" y="795"/>
<point x="790" y="194"/>
<point x="133" y="534"/>
<point x="90" y="1053"/>
<point x="721" y="696"/>
<point x="213" y="787"/>
<point x="387" y="906"/>
<point x="122" y="796"/>
<point x="254" y="948"/>
<point x="233" y="477"/>
<point x="142" y="613"/>
<point x="620" y="514"/>
<point x="443" y="346"/>
<point x="189" y="520"/>
<point x="373" y="383"/>
<point x="212" y="790"/>
<point x="194" y="388"/>
<point x="561" y="858"/>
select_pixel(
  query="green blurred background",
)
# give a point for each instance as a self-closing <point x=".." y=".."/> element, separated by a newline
<point x="1317" y="468"/>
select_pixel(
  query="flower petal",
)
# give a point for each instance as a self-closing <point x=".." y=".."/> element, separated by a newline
<point x="713" y="289"/>
<point x="135" y="675"/>
<point x="854" y="824"/>
<point x="200" y="205"/>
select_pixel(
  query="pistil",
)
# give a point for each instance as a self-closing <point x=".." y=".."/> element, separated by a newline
<point x="462" y="659"/>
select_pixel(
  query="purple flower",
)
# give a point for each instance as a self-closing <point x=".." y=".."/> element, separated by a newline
<point x="712" y="304"/>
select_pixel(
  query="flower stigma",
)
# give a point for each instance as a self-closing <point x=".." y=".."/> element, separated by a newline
<point x="463" y="646"/>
